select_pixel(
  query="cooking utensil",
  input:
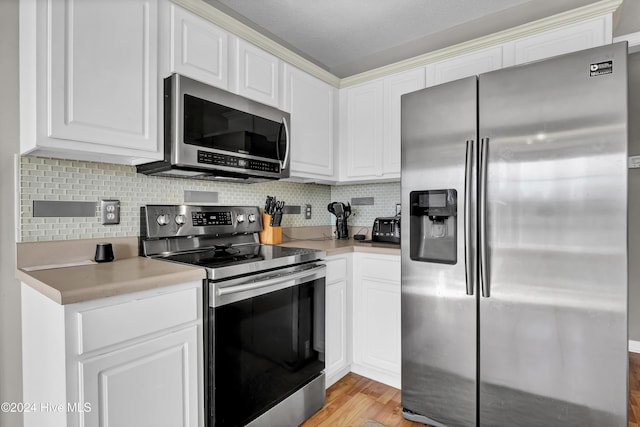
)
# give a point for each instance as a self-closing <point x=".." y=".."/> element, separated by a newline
<point x="276" y="216"/>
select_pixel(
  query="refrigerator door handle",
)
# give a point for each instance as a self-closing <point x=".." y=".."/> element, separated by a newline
<point x="468" y="192"/>
<point x="482" y="217"/>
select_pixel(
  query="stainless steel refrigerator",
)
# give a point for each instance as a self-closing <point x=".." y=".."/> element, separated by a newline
<point x="514" y="246"/>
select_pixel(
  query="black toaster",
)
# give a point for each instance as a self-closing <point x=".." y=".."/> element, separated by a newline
<point x="386" y="230"/>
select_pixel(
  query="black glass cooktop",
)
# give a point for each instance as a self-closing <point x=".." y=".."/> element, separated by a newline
<point x="219" y="256"/>
<point x="228" y="261"/>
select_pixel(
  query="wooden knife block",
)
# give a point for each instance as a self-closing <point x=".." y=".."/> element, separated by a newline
<point x="270" y="235"/>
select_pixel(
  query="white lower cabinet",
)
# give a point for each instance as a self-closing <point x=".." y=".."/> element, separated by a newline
<point x="376" y="317"/>
<point x="149" y="383"/>
<point x="129" y="360"/>
<point x="338" y="314"/>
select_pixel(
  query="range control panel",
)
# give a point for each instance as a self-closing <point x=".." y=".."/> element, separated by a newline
<point x="186" y="220"/>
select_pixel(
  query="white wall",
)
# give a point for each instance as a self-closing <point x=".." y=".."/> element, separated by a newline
<point x="627" y="18"/>
<point x="10" y="325"/>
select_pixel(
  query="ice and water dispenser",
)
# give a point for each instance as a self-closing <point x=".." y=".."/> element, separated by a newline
<point x="433" y="226"/>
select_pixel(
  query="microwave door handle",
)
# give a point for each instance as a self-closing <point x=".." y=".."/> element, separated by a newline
<point x="283" y="163"/>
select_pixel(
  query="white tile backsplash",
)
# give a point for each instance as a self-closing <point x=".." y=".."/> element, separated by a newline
<point x="385" y="198"/>
<point x="56" y="179"/>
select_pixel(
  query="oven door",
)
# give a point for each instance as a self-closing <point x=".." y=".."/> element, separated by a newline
<point x="268" y="340"/>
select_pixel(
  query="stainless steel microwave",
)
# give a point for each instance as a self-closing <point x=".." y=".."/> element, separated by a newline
<point x="210" y="133"/>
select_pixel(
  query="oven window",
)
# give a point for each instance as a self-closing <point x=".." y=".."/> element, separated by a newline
<point x="210" y="125"/>
<point x="266" y="348"/>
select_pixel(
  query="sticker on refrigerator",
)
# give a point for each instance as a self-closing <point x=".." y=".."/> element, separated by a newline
<point x="601" y="68"/>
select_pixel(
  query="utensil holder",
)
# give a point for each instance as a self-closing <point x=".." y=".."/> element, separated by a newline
<point x="270" y="235"/>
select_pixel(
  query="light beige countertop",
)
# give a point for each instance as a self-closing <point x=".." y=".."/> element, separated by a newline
<point x="128" y="273"/>
<point x="84" y="281"/>
<point x="337" y="247"/>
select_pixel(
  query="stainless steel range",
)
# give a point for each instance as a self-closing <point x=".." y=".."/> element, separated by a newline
<point x="264" y="332"/>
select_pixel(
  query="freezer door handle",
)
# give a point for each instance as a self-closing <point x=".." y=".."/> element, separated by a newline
<point x="482" y="217"/>
<point x="469" y="261"/>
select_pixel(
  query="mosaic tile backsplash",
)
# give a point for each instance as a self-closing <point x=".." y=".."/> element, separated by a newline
<point x="70" y="180"/>
<point x="385" y="198"/>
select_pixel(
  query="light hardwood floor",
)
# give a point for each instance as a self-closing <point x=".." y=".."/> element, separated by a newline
<point x="355" y="399"/>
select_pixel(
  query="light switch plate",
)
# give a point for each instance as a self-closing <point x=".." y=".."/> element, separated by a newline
<point x="110" y="211"/>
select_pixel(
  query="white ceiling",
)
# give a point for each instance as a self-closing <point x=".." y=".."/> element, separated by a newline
<point x="347" y="37"/>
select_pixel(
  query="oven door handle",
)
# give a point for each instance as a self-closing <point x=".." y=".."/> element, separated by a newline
<point x="303" y="276"/>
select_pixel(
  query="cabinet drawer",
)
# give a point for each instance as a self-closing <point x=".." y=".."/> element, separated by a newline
<point x="336" y="270"/>
<point x="385" y="268"/>
<point x="105" y="326"/>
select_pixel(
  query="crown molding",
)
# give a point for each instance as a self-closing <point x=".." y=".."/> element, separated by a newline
<point x="633" y="39"/>
<point x="581" y="14"/>
<point x="247" y="33"/>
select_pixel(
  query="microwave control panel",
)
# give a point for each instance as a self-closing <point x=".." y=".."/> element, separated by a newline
<point x="219" y="159"/>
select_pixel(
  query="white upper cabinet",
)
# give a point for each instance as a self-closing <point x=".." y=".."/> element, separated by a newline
<point x="363" y="120"/>
<point x="372" y="126"/>
<point x="583" y="35"/>
<point x="89" y="79"/>
<point x="311" y="104"/>
<point x="91" y="75"/>
<point x="394" y="87"/>
<point x="465" y="65"/>
<point x="193" y="47"/>
<point x="256" y="73"/>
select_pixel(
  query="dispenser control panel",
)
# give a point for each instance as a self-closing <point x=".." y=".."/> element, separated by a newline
<point x="433" y="226"/>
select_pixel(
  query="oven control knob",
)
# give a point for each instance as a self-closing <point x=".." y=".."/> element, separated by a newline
<point x="252" y="217"/>
<point x="163" y="219"/>
<point x="240" y="218"/>
<point x="180" y="219"/>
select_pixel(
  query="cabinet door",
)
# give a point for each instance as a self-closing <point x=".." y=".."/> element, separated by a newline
<point x="336" y="331"/>
<point x="364" y="122"/>
<point x="394" y="88"/>
<point x="198" y="48"/>
<point x="376" y="343"/>
<point x="257" y="73"/>
<point x="380" y="327"/>
<point x="583" y="35"/>
<point x="311" y="104"/>
<point x="467" y="65"/>
<point x="153" y="383"/>
<point x="103" y="82"/>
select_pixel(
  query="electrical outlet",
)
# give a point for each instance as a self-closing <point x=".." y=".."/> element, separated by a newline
<point x="110" y="211"/>
<point x="307" y="212"/>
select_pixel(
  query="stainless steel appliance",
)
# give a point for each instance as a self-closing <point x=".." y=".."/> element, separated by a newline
<point x="217" y="135"/>
<point x="342" y="213"/>
<point x="514" y="246"/>
<point x="265" y="312"/>
<point x="386" y="229"/>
